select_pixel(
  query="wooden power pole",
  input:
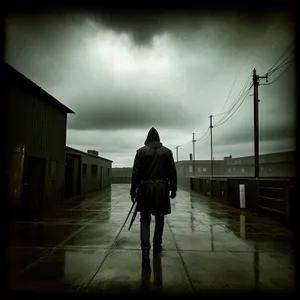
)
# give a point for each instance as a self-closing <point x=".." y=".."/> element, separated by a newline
<point x="211" y="149"/>
<point x="256" y="122"/>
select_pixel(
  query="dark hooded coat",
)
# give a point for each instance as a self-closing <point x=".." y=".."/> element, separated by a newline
<point x="154" y="161"/>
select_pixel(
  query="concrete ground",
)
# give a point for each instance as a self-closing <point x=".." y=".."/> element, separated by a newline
<point x="208" y="246"/>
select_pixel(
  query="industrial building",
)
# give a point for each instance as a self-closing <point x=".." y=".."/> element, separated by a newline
<point x="85" y="172"/>
<point x="280" y="164"/>
<point x="36" y="131"/>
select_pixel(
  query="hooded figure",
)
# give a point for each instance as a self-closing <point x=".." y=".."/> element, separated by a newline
<point x="154" y="171"/>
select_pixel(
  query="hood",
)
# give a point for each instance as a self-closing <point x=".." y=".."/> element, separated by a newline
<point x="153" y="139"/>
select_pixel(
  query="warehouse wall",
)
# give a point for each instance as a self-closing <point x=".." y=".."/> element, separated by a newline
<point x="42" y="129"/>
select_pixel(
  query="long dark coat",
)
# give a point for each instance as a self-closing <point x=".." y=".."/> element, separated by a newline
<point x="154" y="161"/>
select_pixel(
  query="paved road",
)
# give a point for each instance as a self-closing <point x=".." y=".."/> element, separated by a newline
<point x="207" y="246"/>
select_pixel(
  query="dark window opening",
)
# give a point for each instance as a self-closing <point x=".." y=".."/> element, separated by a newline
<point x="84" y="170"/>
<point x="94" y="171"/>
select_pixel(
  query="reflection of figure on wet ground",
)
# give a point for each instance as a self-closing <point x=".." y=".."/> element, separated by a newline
<point x="154" y="171"/>
<point x="157" y="276"/>
<point x="158" y="283"/>
<point x="145" y="281"/>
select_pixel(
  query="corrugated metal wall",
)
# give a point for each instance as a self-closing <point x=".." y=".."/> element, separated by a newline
<point x="42" y="128"/>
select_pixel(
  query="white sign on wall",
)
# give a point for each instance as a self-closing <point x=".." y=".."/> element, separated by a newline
<point x="242" y="196"/>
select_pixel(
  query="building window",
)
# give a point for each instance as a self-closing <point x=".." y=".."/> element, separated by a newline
<point x="243" y="170"/>
<point x="262" y="168"/>
<point x="190" y="169"/>
<point x="94" y="170"/>
<point x="54" y="168"/>
<point x="84" y="170"/>
<point x="204" y="169"/>
<point x="199" y="170"/>
<point x="229" y="170"/>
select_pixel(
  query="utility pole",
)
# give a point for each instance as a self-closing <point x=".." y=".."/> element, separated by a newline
<point x="177" y="153"/>
<point x="194" y="154"/>
<point x="256" y="121"/>
<point x="211" y="148"/>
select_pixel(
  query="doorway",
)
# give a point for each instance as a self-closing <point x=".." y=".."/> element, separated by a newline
<point x="34" y="182"/>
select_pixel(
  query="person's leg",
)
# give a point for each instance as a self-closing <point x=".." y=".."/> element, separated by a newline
<point x="145" y="239"/>
<point x="158" y="233"/>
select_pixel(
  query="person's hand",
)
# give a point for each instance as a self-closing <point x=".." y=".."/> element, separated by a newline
<point x="133" y="195"/>
<point x="173" y="194"/>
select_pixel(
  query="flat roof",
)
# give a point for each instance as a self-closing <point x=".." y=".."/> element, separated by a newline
<point x="47" y="97"/>
<point x="239" y="157"/>
<point x="88" y="154"/>
<point x="199" y="161"/>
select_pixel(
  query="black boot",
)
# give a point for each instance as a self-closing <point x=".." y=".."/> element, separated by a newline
<point x="146" y="259"/>
<point x="157" y="249"/>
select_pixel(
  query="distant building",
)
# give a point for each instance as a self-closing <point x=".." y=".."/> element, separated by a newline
<point x="121" y="175"/>
<point x="280" y="164"/>
<point x="271" y="165"/>
<point x="85" y="172"/>
<point x="202" y="168"/>
<point x="36" y="130"/>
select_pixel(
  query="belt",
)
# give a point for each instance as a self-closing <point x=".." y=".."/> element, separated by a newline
<point x="155" y="180"/>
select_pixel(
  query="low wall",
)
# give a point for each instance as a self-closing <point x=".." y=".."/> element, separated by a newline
<point x="276" y="197"/>
<point x="115" y="180"/>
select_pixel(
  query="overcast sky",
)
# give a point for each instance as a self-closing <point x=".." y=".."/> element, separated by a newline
<point x="123" y="74"/>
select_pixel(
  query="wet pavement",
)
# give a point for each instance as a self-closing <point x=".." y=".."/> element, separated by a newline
<point x="208" y="246"/>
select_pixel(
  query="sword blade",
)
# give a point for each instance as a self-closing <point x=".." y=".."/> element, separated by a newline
<point x="133" y="218"/>
<point x="129" y="212"/>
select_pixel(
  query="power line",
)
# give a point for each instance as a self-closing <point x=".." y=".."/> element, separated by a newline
<point x="236" y="100"/>
<point x="285" y="52"/>
<point x="241" y="102"/>
<point x="280" y="66"/>
<point x="229" y="116"/>
<point x="278" y="76"/>
<point x="204" y="136"/>
<point x="233" y="85"/>
<point x="251" y="53"/>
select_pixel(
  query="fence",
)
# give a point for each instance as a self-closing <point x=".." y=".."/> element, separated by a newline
<point x="272" y="196"/>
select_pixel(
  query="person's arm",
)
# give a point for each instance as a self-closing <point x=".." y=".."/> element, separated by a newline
<point x="136" y="175"/>
<point x="172" y="174"/>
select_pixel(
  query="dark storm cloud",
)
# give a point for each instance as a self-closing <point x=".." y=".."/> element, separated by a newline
<point x="128" y="111"/>
<point x="125" y="117"/>
<point x="141" y="25"/>
<point x="267" y="134"/>
<point x="123" y="73"/>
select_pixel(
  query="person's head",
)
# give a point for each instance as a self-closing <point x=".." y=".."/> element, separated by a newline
<point x="152" y="136"/>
